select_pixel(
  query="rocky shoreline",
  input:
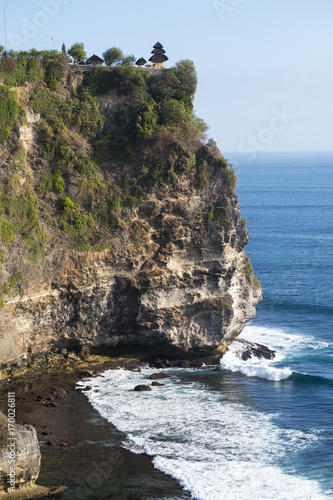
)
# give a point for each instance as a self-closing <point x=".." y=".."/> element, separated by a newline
<point x="45" y="397"/>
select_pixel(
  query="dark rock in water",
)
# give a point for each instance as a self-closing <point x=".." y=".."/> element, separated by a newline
<point x="86" y="373"/>
<point x="158" y="376"/>
<point x="87" y="388"/>
<point x="251" y="349"/>
<point x="157" y="384"/>
<point x="159" y="364"/>
<point x="183" y="364"/>
<point x="142" y="388"/>
<point x="195" y="362"/>
<point x="212" y="360"/>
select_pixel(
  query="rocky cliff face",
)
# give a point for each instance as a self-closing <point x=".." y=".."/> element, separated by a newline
<point x="174" y="274"/>
<point x="185" y="282"/>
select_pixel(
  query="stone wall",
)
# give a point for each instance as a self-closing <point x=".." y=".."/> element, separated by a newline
<point x="89" y="67"/>
<point x="80" y="67"/>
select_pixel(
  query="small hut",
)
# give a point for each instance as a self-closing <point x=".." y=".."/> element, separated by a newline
<point x="94" y="60"/>
<point x="141" y="62"/>
<point x="158" y="57"/>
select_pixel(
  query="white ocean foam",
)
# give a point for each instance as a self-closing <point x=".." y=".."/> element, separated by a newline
<point x="253" y="367"/>
<point x="276" y="338"/>
<point x="320" y="345"/>
<point x="283" y="341"/>
<point x="216" y="449"/>
<point x="239" y="481"/>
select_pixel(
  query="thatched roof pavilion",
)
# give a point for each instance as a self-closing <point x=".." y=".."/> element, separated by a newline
<point x="158" y="57"/>
<point x="141" y="62"/>
<point x="94" y="60"/>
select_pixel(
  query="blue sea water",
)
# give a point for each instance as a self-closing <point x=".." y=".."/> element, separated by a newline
<point x="256" y="429"/>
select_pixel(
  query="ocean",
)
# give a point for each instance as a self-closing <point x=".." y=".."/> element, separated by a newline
<point x="257" y="429"/>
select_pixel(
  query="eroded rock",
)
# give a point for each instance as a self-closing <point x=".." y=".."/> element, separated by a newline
<point x="25" y="450"/>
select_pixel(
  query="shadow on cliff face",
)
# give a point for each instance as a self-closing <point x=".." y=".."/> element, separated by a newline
<point x="115" y="319"/>
<point x="122" y="310"/>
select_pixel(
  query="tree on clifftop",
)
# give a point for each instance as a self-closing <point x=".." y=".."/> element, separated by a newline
<point x="77" y="52"/>
<point x="186" y="74"/>
<point x="128" y="60"/>
<point x="112" y="56"/>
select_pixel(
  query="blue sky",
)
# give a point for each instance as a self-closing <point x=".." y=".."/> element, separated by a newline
<point x="265" y="67"/>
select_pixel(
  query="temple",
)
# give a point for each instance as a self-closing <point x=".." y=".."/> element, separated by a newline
<point x="159" y="56"/>
<point x="141" y="62"/>
<point x="94" y="60"/>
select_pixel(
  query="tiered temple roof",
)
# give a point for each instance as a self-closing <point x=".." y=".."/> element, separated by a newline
<point x="158" y="57"/>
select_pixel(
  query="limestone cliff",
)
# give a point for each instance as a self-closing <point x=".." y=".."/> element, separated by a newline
<point x="135" y="237"/>
<point x="24" y="451"/>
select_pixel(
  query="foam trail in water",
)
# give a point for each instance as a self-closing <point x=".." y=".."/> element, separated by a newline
<point x="216" y="450"/>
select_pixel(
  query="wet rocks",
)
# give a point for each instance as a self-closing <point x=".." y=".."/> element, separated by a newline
<point x="194" y="362"/>
<point x="87" y="373"/>
<point x="159" y="376"/>
<point x="252" y="349"/>
<point x="142" y="388"/>
<point x="86" y="388"/>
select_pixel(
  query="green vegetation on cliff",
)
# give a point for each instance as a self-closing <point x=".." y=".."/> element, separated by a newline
<point x="17" y="68"/>
<point x="8" y="112"/>
<point x="104" y="141"/>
